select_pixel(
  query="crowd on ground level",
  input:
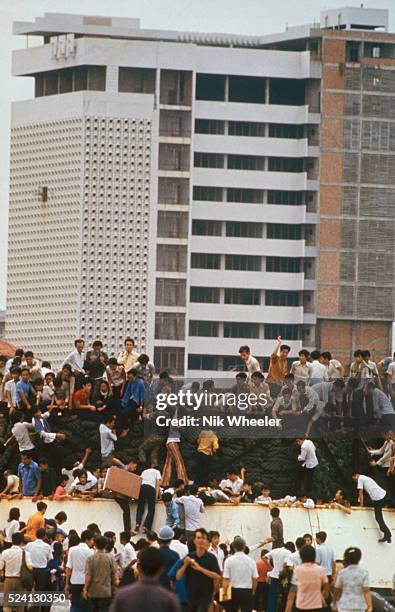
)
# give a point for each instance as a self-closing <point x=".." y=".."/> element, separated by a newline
<point x="178" y="569"/>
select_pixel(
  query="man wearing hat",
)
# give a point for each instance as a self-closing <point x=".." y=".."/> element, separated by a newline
<point x="169" y="556"/>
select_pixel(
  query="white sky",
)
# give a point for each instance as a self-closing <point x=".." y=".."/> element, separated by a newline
<point x="247" y="17"/>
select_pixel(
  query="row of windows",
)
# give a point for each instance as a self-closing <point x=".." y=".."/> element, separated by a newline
<point x="248" y="297"/>
<point x="251" y="196"/>
<point x="239" y="229"/>
<point x="249" y="162"/>
<point x="250" y="128"/>
<point x="251" y="263"/>
<point x="243" y="330"/>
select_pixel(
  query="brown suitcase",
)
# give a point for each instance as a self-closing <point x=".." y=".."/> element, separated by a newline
<point x="122" y="481"/>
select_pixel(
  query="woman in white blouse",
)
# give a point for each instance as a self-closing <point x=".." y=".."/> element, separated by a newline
<point x="11" y="526"/>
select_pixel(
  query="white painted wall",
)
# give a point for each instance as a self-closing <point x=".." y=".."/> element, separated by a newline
<point x="251" y="521"/>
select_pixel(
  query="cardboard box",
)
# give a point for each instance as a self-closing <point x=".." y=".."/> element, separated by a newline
<point x="123" y="482"/>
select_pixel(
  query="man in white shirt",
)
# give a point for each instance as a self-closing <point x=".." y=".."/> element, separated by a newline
<point x="10" y="389"/>
<point x="40" y="554"/>
<point x="215" y="548"/>
<point x="107" y="439"/>
<point x="318" y="369"/>
<point x="308" y="462"/>
<point x="193" y="507"/>
<point x="10" y="567"/>
<point x="21" y="431"/>
<point x="149" y="493"/>
<point x="378" y="497"/>
<point x="309" y="404"/>
<point x="127" y="558"/>
<point x="231" y="485"/>
<point x="334" y="368"/>
<point x="277" y="557"/>
<point x="302" y="369"/>
<point x="75" y="571"/>
<point x="241" y="573"/>
<point x="251" y="364"/>
<point x="76" y="358"/>
<point x="382" y="406"/>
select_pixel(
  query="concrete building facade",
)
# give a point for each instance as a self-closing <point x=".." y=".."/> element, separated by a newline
<point x="203" y="191"/>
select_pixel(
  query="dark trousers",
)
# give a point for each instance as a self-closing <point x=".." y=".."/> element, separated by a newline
<point x="78" y="603"/>
<point x="199" y="605"/>
<point x="147" y="494"/>
<point x="272" y="595"/>
<point x="41" y="583"/>
<point x="305" y="480"/>
<point x="100" y="604"/>
<point x="204" y="465"/>
<point x="126" y="413"/>
<point x="242" y="599"/>
<point x="123" y="503"/>
<point x="260" y="597"/>
<point x="378" y="515"/>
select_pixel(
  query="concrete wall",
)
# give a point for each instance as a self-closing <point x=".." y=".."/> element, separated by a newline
<point x="251" y="522"/>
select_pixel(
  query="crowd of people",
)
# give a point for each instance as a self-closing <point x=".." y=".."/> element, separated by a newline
<point x="176" y="569"/>
<point x="312" y="396"/>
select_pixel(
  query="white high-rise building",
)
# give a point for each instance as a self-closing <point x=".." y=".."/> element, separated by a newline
<point x="164" y="185"/>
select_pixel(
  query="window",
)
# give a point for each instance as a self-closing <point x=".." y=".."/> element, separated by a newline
<point x="169" y="326"/>
<point x="352" y="51"/>
<point x="287" y="91"/>
<point x="212" y="194"/>
<point x="283" y="264"/>
<point x="247" y="196"/>
<point x="246" y="162"/>
<point x="170" y="292"/>
<point x="287" y="332"/>
<point x="236" y="229"/>
<point x="205" y="260"/>
<point x="208" y="160"/>
<point x="170" y="359"/>
<point x="97" y="78"/>
<point x="210" y="87"/>
<point x="241" y="330"/>
<point x="205" y="295"/>
<point x="231" y="362"/>
<point x="282" y="298"/>
<point x="246" y="128"/>
<point x="203" y="328"/>
<point x="249" y="297"/>
<point x="247" y="89"/>
<point x="286" y="164"/>
<point x="172" y="224"/>
<point x="283" y="231"/>
<point x="243" y="262"/>
<point x="171" y="258"/>
<point x="287" y="198"/>
<point x="202" y="362"/>
<point x="136" y="80"/>
<point x="209" y="126"/>
<point x="284" y="130"/>
<point x="201" y="227"/>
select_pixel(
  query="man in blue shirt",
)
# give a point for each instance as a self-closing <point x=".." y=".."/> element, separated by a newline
<point x="172" y="512"/>
<point x="25" y="392"/>
<point x="132" y="401"/>
<point x="29" y="474"/>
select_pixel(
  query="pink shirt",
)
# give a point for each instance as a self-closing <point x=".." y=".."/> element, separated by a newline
<point x="59" y="491"/>
<point x="309" y="578"/>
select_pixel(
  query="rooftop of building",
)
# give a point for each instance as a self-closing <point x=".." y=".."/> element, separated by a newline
<point x="55" y="24"/>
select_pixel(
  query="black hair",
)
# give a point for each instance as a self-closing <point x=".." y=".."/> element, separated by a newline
<point x="17" y="538"/>
<point x="352" y="556"/>
<point x="14" y="514"/>
<point x="307" y="553"/>
<point x="40" y="533"/>
<point x="315" y="355"/>
<point x="61" y="516"/>
<point x="150" y="561"/>
<point x="321" y="535"/>
<point x="167" y="497"/>
<point x="285" y="347"/>
<point x="244" y="349"/>
<point x="86" y="535"/>
<point x="101" y="542"/>
<point x="275" y="512"/>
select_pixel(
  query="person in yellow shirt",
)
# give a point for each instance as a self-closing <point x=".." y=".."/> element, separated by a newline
<point x="129" y="356"/>
<point x="207" y="446"/>
<point x="35" y="521"/>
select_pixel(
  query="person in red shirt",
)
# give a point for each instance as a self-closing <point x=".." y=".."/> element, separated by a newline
<point x="82" y="398"/>
<point x="263" y="567"/>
